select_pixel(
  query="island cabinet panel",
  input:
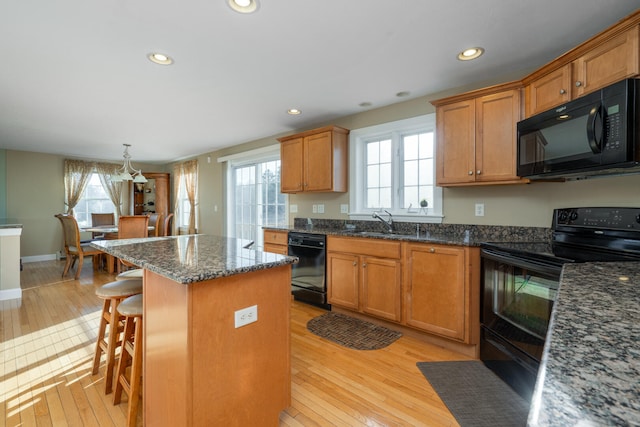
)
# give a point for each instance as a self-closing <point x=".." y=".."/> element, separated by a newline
<point x="442" y="291"/>
<point x="199" y="369"/>
<point x="314" y="161"/>
<point x="276" y="241"/>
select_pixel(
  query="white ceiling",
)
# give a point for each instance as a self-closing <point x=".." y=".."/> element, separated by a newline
<point x="75" y="80"/>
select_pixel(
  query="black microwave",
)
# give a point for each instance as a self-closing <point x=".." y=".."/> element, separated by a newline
<point x="596" y="134"/>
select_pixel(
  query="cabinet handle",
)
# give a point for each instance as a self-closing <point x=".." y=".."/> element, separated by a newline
<point x="355" y="263"/>
<point x="364" y="265"/>
<point x="562" y="91"/>
<point x="478" y="172"/>
<point x="432" y="250"/>
<point x="578" y="83"/>
<point x="470" y="172"/>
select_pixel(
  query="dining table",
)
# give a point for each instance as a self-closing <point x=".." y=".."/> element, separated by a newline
<point x="110" y="233"/>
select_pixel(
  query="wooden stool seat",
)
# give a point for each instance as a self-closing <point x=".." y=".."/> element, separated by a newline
<point x="131" y="309"/>
<point x="112" y="293"/>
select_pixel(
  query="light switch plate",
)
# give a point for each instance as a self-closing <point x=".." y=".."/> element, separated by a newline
<point x="320" y="208"/>
<point x="344" y="209"/>
<point x="293" y="208"/>
<point x="314" y="208"/>
<point x="479" y="209"/>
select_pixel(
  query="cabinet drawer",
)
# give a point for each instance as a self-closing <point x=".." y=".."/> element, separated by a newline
<point x="276" y="249"/>
<point x="370" y="247"/>
<point x="276" y="237"/>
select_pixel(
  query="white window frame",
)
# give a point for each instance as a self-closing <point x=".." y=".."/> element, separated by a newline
<point x="259" y="155"/>
<point x="87" y="223"/>
<point x="358" y="139"/>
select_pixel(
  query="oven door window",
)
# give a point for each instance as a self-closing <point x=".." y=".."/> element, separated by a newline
<point x="524" y="298"/>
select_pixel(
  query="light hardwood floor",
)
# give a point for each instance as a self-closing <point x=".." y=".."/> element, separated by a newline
<point x="48" y="339"/>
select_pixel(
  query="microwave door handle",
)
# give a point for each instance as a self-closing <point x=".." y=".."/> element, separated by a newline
<point x="594" y="129"/>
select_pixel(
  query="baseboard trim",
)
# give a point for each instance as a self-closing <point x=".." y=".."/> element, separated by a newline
<point x="37" y="258"/>
<point x="8" y="294"/>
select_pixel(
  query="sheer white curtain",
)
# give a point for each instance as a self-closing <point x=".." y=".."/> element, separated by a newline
<point x="186" y="177"/>
<point x="114" y="189"/>
<point x="76" y="177"/>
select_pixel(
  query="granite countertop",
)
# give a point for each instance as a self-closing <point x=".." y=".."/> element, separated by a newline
<point x="192" y="258"/>
<point x="590" y="370"/>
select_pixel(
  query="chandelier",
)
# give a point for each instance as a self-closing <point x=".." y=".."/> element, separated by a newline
<point x="128" y="172"/>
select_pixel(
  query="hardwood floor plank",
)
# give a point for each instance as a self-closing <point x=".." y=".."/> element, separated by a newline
<point x="47" y="341"/>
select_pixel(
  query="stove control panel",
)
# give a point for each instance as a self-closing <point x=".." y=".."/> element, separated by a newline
<point x="627" y="219"/>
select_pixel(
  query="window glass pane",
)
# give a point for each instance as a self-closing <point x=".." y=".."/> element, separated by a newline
<point x="385" y="151"/>
<point x="426" y="145"/>
<point x="373" y="176"/>
<point x="385" y="175"/>
<point x="385" y="198"/>
<point x="411" y="147"/>
<point x="373" y="153"/>
<point x="373" y="198"/>
<point x="411" y="197"/>
<point x="411" y="173"/>
<point x="94" y="200"/>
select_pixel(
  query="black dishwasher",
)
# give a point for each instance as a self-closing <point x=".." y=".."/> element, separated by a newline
<point x="308" y="282"/>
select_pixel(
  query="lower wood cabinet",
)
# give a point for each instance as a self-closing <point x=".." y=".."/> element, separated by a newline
<point x="276" y="241"/>
<point x="438" y="297"/>
<point x="364" y="277"/>
<point x="428" y="287"/>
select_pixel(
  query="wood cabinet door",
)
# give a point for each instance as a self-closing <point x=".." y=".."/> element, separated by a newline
<point x="291" y="164"/>
<point x="435" y="289"/>
<point x="162" y="195"/>
<point x="318" y="162"/>
<point x="613" y="60"/>
<point x="342" y="280"/>
<point x="549" y="91"/>
<point x="382" y="288"/>
<point x="455" y="127"/>
<point x="497" y="117"/>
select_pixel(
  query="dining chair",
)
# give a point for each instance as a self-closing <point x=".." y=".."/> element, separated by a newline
<point x="131" y="227"/>
<point x="72" y="246"/>
<point x="155" y="220"/>
<point x="98" y="219"/>
<point x="167" y="225"/>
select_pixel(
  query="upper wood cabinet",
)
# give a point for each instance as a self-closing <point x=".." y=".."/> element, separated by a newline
<point x="314" y="161"/>
<point x="476" y="134"/>
<point x="605" y="59"/>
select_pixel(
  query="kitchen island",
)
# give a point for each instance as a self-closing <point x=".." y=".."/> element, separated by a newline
<point x="202" y="368"/>
<point x="590" y="370"/>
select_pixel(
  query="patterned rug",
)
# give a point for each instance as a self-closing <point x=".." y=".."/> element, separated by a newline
<point x="351" y="332"/>
<point x="475" y="395"/>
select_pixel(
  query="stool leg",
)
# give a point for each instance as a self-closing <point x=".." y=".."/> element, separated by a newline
<point x="112" y="343"/>
<point x="136" y="374"/>
<point x="101" y="332"/>
<point x="125" y="357"/>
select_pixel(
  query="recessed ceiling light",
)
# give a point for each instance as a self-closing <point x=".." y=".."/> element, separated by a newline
<point x="471" y="53"/>
<point x="160" y="58"/>
<point x="365" y="104"/>
<point x="294" y="111"/>
<point x="402" y="94"/>
<point x="244" y="6"/>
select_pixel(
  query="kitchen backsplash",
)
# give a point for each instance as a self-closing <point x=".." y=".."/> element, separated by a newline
<point x="486" y="233"/>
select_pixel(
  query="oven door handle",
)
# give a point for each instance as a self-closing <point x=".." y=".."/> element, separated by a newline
<point x="518" y="261"/>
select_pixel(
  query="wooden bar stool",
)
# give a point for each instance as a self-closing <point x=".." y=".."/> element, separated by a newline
<point x="131" y="309"/>
<point x="112" y="293"/>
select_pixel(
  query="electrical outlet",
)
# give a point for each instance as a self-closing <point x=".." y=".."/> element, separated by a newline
<point x="314" y="208"/>
<point x="344" y="208"/>
<point x="293" y="208"/>
<point x="320" y="208"/>
<point x="246" y="315"/>
<point x="479" y="209"/>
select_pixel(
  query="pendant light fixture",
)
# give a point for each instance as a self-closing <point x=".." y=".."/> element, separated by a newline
<point x="128" y="172"/>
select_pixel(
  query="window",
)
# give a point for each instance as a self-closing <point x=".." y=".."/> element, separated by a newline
<point x="254" y="199"/>
<point x="184" y="207"/>
<point x="393" y="168"/>
<point x="94" y="200"/>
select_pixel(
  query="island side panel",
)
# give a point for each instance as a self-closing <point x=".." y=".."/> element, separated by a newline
<point x="166" y="371"/>
<point x="242" y="376"/>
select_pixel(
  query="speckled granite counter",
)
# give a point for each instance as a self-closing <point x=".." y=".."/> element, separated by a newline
<point x="590" y="370"/>
<point x="192" y="258"/>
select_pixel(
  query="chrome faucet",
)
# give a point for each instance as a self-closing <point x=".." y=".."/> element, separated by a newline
<point x="388" y="223"/>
